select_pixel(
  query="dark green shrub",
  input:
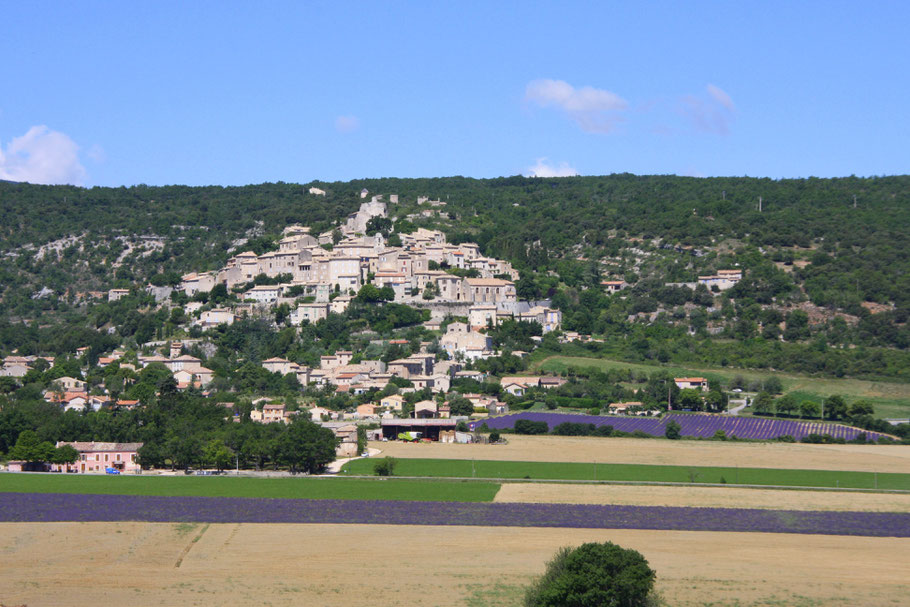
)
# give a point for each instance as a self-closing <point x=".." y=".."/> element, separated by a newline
<point x="526" y="426"/>
<point x="385" y="466"/>
<point x="593" y="574"/>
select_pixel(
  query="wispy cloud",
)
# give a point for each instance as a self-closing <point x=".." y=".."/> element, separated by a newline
<point x="347" y="124"/>
<point x="542" y="169"/>
<point x="710" y="113"/>
<point x="96" y="154"/>
<point x="42" y="156"/>
<point x="594" y="110"/>
<point x="721" y="96"/>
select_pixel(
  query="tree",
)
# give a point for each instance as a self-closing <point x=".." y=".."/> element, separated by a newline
<point x="65" y="454"/>
<point x="379" y="224"/>
<point x="797" y="326"/>
<point x="716" y="401"/>
<point x="8" y="385"/>
<point x="30" y="448"/>
<point x="526" y="426"/>
<point x="786" y="404"/>
<point x="861" y="407"/>
<point x="773" y="385"/>
<point x="306" y="447"/>
<point x="368" y="293"/>
<point x="460" y="406"/>
<point x="217" y="454"/>
<point x="431" y="291"/>
<point x="673" y="430"/>
<point x="808" y="408"/>
<point x="593" y="574"/>
<point x="835" y="407"/>
<point x="689" y="398"/>
<point x="763" y="404"/>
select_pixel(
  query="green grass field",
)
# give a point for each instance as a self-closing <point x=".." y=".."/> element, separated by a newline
<point x="891" y="399"/>
<point x="225" y="486"/>
<point x="435" y="468"/>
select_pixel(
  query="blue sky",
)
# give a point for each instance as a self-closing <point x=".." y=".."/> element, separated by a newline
<point x="233" y="93"/>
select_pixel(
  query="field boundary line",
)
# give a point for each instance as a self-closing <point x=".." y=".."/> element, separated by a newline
<point x="618" y="482"/>
<point x="189" y="546"/>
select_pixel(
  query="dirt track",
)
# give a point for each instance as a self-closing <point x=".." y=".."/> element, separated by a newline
<point x="91" y="564"/>
<point x="872" y="458"/>
<point x="703" y="497"/>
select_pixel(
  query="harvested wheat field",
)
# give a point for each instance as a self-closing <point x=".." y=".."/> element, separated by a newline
<point x="87" y="564"/>
<point x="703" y="497"/>
<point x="860" y="458"/>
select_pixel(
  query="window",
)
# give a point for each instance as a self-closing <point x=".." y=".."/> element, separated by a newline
<point x="106" y="457"/>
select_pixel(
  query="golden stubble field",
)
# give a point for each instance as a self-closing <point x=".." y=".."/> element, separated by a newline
<point x="861" y="458"/>
<point x="703" y="497"/>
<point x="91" y="564"/>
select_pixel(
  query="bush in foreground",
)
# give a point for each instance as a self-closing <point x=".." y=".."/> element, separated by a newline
<point x="385" y="466"/>
<point x="593" y="575"/>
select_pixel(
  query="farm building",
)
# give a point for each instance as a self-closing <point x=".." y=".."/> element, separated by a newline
<point x="97" y="457"/>
<point x="429" y="429"/>
<point x="694" y="383"/>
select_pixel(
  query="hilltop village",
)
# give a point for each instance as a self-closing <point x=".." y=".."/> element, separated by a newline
<point x="458" y="294"/>
<point x="459" y="297"/>
<point x="419" y="268"/>
<point x="318" y="275"/>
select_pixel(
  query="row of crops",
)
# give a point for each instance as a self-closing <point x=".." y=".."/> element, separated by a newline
<point x="695" y="425"/>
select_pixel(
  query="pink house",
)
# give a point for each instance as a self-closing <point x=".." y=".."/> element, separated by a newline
<point x="97" y="457"/>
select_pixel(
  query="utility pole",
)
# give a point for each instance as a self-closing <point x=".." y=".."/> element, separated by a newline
<point x="854" y="201"/>
<point x="759" y="204"/>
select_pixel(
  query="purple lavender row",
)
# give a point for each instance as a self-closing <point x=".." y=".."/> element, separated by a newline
<point x="696" y="425"/>
<point x="57" y="507"/>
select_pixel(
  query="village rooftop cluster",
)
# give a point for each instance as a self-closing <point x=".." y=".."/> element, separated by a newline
<point x="321" y="274"/>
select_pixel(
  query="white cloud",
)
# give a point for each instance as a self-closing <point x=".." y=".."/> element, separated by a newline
<point x="712" y="113"/>
<point x="42" y="156"/>
<point x="594" y="110"/>
<point x="542" y="169"/>
<point x="347" y="124"/>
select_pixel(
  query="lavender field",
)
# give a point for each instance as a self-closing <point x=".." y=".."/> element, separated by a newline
<point x="696" y="425"/>
<point x="56" y="507"/>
